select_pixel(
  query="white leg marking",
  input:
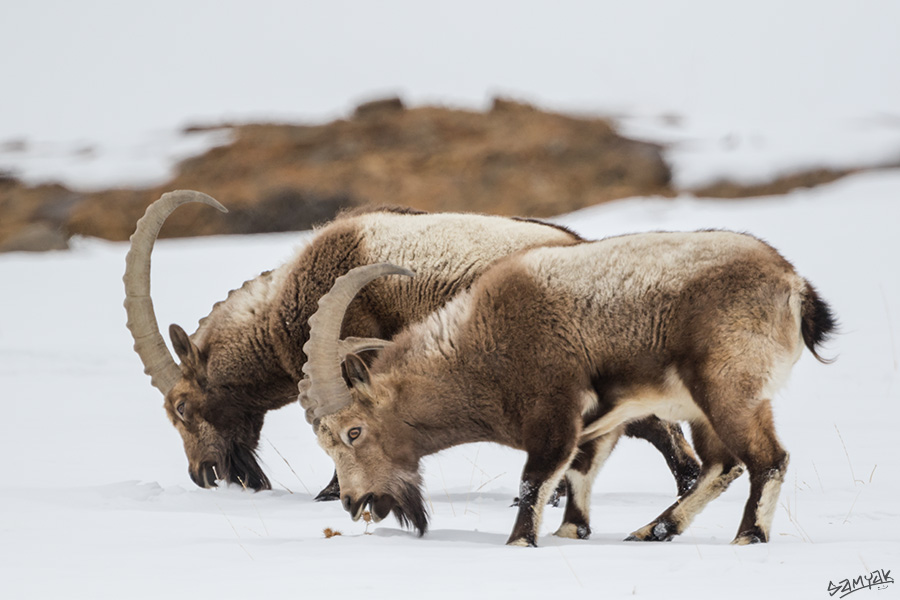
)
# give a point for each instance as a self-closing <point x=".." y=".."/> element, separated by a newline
<point x="545" y="491"/>
<point x="567" y="530"/>
<point x="581" y="484"/>
<point x="768" y="500"/>
<point x="707" y="489"/>
<point x="682" y="513"/>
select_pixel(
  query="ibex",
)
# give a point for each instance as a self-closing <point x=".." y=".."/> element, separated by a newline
<point x="554" y="351"/>
<point x="246" y="357"/>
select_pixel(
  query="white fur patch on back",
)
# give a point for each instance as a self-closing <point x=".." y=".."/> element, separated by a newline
<point x="435" y="332"/>
<point x="636" y="262"/>
<point x="244" y="304"/>
<point x="452" y="243"/>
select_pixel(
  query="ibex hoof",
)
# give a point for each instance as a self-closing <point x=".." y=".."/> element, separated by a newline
<point x="661" y="531"/>
<point x="747" y="538"/>
<point x="573" y="532"/>
<point x="329" y="494"/>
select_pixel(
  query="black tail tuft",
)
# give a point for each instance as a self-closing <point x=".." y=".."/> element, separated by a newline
<point x="817" y="322"/>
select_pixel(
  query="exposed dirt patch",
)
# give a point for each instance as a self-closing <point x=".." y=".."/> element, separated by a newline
<point x="511" y="160"/>
<point x="779" y="185"/>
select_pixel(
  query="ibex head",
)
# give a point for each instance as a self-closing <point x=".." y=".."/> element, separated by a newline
<point x="377" y="463"/>
<point x="219" y="439"/>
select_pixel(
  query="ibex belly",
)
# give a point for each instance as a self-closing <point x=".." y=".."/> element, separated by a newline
<point x="670" y="401"/>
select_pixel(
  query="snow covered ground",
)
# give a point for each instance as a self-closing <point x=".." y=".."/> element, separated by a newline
<point x="96" y="500"/>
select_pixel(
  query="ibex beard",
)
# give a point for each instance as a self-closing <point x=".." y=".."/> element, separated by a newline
<point x="220" y="444"/>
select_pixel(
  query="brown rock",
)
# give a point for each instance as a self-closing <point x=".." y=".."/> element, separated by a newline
<point x="513" y="160"/>
<point x="33" y="218"/>
<point x="35" y="237"/>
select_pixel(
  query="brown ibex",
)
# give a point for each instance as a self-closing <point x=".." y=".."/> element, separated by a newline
<point x="554" y="351"/>
<point x="246" y="357"/>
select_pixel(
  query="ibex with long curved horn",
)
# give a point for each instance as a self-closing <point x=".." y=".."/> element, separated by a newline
<point x="554" y="351"/>
<point x="246" y="357"/>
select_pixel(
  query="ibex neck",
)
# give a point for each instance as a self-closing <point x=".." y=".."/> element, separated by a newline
<point x="439" y="415"/>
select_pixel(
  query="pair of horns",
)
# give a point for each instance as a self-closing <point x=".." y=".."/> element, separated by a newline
<point x="326" y="392"/>
<point x="148" y="342"/>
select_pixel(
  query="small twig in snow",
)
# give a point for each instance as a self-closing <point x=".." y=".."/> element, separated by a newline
<point x="852" y="474"/>
<point x="786" y="505"/>
<point x="444" y="483"/>
<point x="847" y="518"/>
<point x="289" y="467"/>
<point x="568" y="564"/>
<point x="235" y="532"/>
<point x="822" y="487"/>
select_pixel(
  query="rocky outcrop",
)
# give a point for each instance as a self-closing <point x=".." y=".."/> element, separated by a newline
<point x="512" y="160"/>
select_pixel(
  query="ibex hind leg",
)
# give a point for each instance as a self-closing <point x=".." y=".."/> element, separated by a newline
<point x="719" y="469"/>
<point x="741" y="416"/>
<point x="669" y="440"/>
<point x="757" y="445"/>
<point x="580" y="478"/>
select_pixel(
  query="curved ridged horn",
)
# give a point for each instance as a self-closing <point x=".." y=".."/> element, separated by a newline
<point x="148" y="342"/>
<point x="358" y="344"/>
<point x="327" y="393"/>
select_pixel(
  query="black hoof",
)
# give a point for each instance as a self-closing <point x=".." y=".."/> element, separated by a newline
<point x="749" y="537"/>
<point x="661" y="532"/>
<point x="330" y="492"/>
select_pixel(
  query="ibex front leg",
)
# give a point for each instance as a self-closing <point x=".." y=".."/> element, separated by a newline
<point x="537" y="484"/>
<point x="549" y="455"/>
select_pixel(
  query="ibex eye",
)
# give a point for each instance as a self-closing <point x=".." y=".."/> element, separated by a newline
<point x="353" y="433"/>
<point x="180" y="409"/>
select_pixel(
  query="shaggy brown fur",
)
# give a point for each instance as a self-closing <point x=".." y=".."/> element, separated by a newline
<point x="246" y="357"/>
<point x="554" y="350"/>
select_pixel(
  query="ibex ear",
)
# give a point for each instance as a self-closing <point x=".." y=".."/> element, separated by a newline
<point x="187" y="351"/>
<point x="356" y="369"/>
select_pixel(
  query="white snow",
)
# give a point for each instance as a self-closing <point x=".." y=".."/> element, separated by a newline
<point x="95" y="500"/>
